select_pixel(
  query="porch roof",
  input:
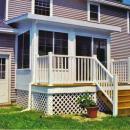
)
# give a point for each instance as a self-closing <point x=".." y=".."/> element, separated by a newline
<point x="53" y="20"/>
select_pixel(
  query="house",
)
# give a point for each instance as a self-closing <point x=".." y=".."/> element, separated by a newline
<point x="65" y="48"/>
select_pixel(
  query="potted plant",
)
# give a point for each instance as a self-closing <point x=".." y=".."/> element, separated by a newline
<point x="86" y="102"/>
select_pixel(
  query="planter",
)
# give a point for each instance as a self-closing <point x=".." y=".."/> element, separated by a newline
<point x="92" y="112"/>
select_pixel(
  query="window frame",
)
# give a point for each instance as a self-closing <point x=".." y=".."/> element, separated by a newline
<point x="89" y="13"/>
<point x="50" y="8"/>
<point x="29" y="66"/>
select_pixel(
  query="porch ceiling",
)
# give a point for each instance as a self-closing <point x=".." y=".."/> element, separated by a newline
<point x="66" y="23"/>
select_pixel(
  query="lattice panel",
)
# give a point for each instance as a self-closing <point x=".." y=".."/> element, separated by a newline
<point x="101" y="105"/>
<point x="22" y="98"/>
<point x="39" y="102"/>
<point x="67" y="103"/>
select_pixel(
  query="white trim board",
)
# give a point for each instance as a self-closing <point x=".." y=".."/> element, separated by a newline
<point x="8" y="30"/>
<point x="66" y="22"/>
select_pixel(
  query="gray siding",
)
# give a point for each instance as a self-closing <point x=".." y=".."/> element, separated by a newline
<point x="19" y="7"/>
<point x="7" y="44"/>
<point x="2" y="9"/>
<point x="120" y="42"/>
<point x="74" y="9"/>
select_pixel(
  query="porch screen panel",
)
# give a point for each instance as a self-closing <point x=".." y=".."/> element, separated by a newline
<point x="45" y="42"/>
<point x="100" y="49"/>
<point x="61" y="43"/>
<point x="23" y="50"/>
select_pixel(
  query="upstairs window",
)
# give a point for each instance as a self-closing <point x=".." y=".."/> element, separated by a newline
<point x="23" y="50"/>
<point x="94" y="12"/>
<point x="42" y="7"/>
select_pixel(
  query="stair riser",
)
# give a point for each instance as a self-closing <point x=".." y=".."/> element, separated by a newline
<point x="124" y="92"/>
<point x="125" y="112"/>
<point x="123" y="98"/>
<point x="124" y="104"/>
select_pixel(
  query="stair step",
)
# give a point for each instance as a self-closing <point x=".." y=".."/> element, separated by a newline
<point x="124" y="101"/>
<point x="124" y="97"/>
<point x="124" y="104"/>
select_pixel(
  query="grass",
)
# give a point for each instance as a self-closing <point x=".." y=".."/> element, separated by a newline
<point x="12" y="118"/>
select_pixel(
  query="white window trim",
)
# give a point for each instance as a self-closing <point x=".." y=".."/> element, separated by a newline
<point x="99" y="11"/>
<point x="51" y="7"/>
<point x="7" y="10"/>
<point x="128" y="22"/>
<point x="33" y="7"/>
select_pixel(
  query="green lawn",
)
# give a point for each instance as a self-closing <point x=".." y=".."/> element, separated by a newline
<point x="12" y="118"/>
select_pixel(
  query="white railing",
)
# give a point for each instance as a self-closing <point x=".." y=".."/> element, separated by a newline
<point x="62" y="69"/>
<point x="121" y="69"/>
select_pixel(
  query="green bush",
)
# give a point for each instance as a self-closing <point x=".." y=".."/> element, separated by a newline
<point x="86" y="101"/>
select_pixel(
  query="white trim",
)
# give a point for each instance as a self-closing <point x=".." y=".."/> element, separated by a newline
<point x="51" y="7"/>
<point x="128" y="21"/>
<point x="58" y="90"/>
<point x="88" y="10"/>
<point x="8" y="30"/>
<point x="7" y="10"/>
<point x="66" y="22"/>
<point x="33" y="7"/>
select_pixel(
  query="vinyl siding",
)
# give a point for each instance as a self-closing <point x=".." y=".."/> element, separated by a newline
<point x="7" y="44"/>
<point x="120" y="41"/>
<point x="73" y="9"/>
<point x="19" y="7"/>
<point x="2" y="9"/>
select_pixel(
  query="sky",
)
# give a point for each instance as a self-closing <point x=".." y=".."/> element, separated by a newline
<point x="127" y="1"/>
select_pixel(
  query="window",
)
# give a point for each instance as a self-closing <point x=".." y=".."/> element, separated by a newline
<point x="42" y="7"/>
<point x="94" y="10"/>
<point x="58" y="46"/>
<point x="23" y="50"/>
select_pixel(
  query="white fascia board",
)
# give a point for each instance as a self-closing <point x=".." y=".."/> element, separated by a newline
<point x="66" y="21"/>
<point x="110" y="3"/>
<point x="8" y="30"/>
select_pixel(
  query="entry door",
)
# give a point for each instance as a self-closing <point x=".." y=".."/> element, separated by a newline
<point x="4" y="83"/>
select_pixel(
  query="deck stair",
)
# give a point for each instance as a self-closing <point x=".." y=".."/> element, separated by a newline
<point x="123" y="102"/>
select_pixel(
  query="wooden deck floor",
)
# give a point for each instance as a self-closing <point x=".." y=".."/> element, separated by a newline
<point x="65" y="85"/>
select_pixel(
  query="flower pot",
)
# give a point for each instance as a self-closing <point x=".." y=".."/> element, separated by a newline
<point x="92" y="112"/>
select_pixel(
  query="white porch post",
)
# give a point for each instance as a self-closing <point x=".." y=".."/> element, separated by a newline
<point x="49" y="108"/>
<point x="128" y="70"/>
<point x="33" y="50"/>
<point x="108" y="54"/>
<point x="50" y="72"/>
<point x="115" y="96"/>
<point x="72" y="52"/>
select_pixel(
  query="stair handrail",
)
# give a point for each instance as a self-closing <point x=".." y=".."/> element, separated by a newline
<point x="110" y="87"/>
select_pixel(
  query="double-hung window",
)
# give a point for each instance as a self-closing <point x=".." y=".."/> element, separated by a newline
<point x="23" y="50"/>
<point x="94" y="12"/>
<point x="42" y="7"/>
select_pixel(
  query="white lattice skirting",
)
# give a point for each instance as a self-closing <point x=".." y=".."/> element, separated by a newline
<point x="51" y="102"/>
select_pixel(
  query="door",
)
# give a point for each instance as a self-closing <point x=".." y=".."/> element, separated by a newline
<point x="4" y="79"/>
